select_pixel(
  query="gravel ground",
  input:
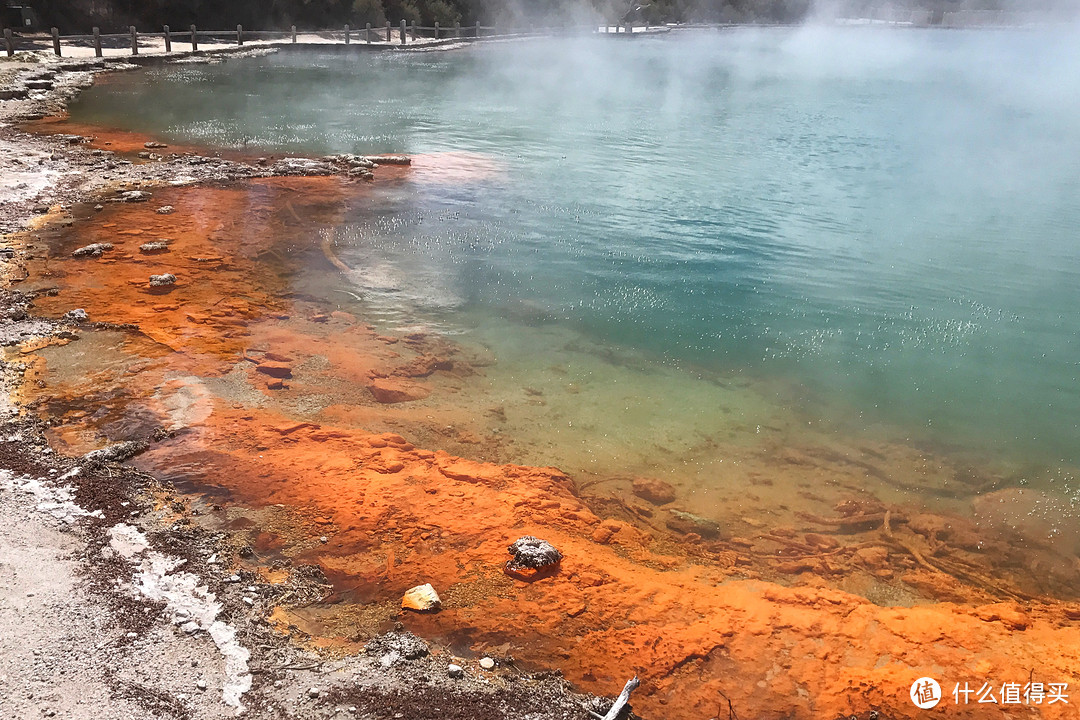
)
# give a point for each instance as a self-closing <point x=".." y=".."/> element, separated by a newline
<point x="113" y="603"/>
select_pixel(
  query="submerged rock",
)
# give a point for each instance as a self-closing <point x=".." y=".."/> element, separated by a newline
<point x="164" y="209"/>
<point x="421" y="598"/>
<point x="389" y="159"/>
<point x="93" y="250"/>
<point x="655" y="491"/>
<point x="532" y="553"/>
<point x="162" y="280"/>
<point x="116" y="453"/>
<point x="687" y="523"/>
<point x="389" y="391"/>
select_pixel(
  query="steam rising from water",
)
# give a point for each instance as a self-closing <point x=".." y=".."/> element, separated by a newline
<point x="887" y="217"/>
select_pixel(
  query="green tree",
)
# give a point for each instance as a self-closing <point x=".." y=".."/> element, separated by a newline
<point x="368" y="11"/>
<point x="442" y="12"/>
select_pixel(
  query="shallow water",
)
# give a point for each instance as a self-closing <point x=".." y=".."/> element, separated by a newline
<point x="882" y="222"/>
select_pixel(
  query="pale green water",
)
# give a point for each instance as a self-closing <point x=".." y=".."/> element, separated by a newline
<point x="872" y="232"/>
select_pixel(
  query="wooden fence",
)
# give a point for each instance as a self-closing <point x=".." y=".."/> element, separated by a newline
<point x="402" y="34"/>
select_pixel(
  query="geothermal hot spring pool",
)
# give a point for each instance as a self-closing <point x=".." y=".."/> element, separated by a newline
<point x="794" y="313"/>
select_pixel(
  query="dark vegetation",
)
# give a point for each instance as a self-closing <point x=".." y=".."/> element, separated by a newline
<point x="76" y="16"/>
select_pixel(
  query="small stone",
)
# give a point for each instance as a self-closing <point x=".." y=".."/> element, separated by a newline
<point x="389" y="391"/>
<point x="324" y="539"/>
<point x="533" y="553"/>
<point x="134" y="196"/>
<point x="233" y="579"/>
<point x="78" y="315"/>
<point x="313" y="692"/>
<point x="93" y="250"/>
<point x="487" y="663"/>
<point x="249" y="602"/>
<point x="655" y="491"/>
<point x="99" y="207"/>
<point x="455" y="671"/>
<point x="394" y="646"/>
<point x="154" y="144"/>
<point x="164" y="280"/>
<point x="421" y="598"/>
<point x="274" y="369"/>
<point x="201" y="685"/>
<point x="688" y="523"/>
<point x="164" y="209"/>
<point x="875" y="557"/>
<point x="155" y="247"/>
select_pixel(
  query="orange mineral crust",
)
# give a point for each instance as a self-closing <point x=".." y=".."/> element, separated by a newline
<point x="226" y="248"/>
<point x="309" y="426"/>
<point x="125" y="142"/>
<point x="395" y="516"/>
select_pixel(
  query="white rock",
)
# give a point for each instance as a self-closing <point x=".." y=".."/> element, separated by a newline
<point x="455" y="671"/>
<point x="487" y="663"/>
<point x="422" y="598"/>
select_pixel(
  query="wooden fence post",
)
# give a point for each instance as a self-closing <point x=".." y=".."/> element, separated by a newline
<point x="346" y="34"/>
<point x="9" y="43"/>
<point x="403" y="31"/>
<point x="56" y="41"/>
<point x="194" y="39"/>
<point x="97" y="42"/>
<point x="367" y="33"/>
<point x="477" y="28"/>
<point x="168" y="40"/>
<point x="294" y="34"/>
<point x="412" y="32"/>
<point x="387" y="31"/>
<point x="457" y="28"/>
<point x="436" y="31"/>
<point x="239" y="35"/>
<point x="134" y="40"/>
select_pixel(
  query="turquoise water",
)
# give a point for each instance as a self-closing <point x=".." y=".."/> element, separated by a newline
<point x="876" y="228"/>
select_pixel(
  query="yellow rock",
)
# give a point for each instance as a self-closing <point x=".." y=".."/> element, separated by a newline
<point x="421" y="598"/>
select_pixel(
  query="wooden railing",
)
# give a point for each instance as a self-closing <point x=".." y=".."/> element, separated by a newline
<point x="402" y="34"/>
